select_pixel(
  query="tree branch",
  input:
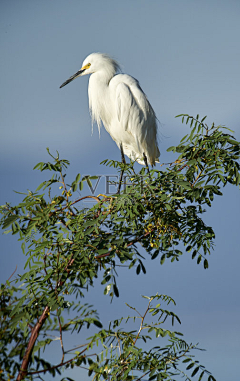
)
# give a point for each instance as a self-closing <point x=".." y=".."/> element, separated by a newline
<point x="34" y="335"/>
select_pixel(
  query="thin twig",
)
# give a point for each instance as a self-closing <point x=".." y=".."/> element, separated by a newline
<point x="11" y="275"/>
<point x="61" y="340"/>
<point x="143" y="317"/>
<point x="82" y="198"/>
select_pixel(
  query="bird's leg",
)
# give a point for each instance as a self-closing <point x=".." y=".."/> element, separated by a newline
<point x="122" y="154"/>
<point x="146" y="163"/>
<point x="122" y="171"/>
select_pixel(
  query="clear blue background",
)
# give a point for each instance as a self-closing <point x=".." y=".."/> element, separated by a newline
<point x="186" y="55"/>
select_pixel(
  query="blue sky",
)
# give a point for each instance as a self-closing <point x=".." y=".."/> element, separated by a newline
<point x="186" y="55"/>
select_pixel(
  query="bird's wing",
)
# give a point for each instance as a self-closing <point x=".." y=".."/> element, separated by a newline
<point x="136" y="114"/>
<point x="125" y="103"/>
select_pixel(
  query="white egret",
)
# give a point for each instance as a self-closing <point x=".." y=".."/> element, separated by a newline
<point x="118" y="101"/>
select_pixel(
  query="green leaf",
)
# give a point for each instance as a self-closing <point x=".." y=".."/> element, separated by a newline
<point x="211" y="378"/>
<point x="172" y="148"/>
<point x="78" y="178"/>
<point x="205" y="263"/>
<point x="201" y="375"/>
<point x="184" y="184"/>
<point x="9" y="221"/>
<point x="74" y="187"/>
<point x="195" y="371"/>
<point x="190" y="366"/>
<point x="81" y="185"/>
<point x="182" y="140"/>
<point x="97" y="323"/>
<point x="115" y="290"/>
<point x="162" y="259"/>
<point x="187" y="360"/>
<point x="155" y="254"/>
<point x="89" y="182"/>
<point x="40" y="186"/>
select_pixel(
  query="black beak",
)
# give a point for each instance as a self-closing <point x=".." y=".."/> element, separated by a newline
<point x="79" y="72"/>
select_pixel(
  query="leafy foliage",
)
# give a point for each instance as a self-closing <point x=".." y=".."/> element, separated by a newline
<point x="67" y="247"/>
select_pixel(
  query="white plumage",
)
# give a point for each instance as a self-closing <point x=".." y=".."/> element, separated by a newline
<point x="117" y="101"/>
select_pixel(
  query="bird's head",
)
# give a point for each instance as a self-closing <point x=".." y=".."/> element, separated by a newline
<point x="93" y="63"/>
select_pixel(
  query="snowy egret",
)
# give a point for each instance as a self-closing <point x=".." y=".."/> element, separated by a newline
<point x="118" y="101"/>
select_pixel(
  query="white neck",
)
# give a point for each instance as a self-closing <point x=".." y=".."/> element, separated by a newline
<point x="98" y="96"/>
